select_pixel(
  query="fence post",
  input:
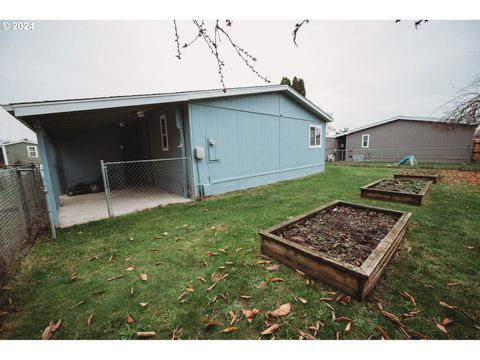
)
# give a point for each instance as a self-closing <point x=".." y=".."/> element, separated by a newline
<point x="47" y="203"/>
<point x="21" y="198"/>
<point x="106" y="187"/>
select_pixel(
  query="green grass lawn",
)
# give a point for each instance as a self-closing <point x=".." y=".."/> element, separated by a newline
<point x="433" y="264"/>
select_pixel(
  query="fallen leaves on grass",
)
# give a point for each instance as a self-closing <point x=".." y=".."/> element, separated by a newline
<point x="189" y="288"/>
<point x="316" y="327"/>
<point x="211" y="287"/>
<point x="250" y="314"/>
<point x="299" y="299"/>
<point x="90" y="319"/>
<point x="245" y="297"/>
<point x="114" y="278"/>
<point x="143" y="277"/>
<point x="263" y="262"/>
<point x="110" y="259"/>
<point x="447" y="306"/>
<point x="130" y="268"/>
<point x="223" y="251"/>
<point x="383" y="333"/>
<point x="272" y="267"/>
<point x="442" y="328"/>
<point x="326" y="299"/>
<point x="229" y="329"/>
<point x="233" y="316"/>
<point x="275" y="279"/>
<point x="143" y="304"/>
<point x="270" y="330"/>
<point x="281" y="310"/>
<point x="145" y="334"/>
<point x="348" y="327"/>
<point x="74" y="276"/>
<point x="392" y="317"/>
<point x="51" y="329"/>
<point x="211" y="253"/>
<point x="182" y="295"/>
<point x="408" y="297"/>
<point x="129" y="318"/>
<point x="77" y="304"/>
<point x="176" y="333"/>
<point x="202" y="280"/>
<point x="344" y="299"/>
<point x="210" y="323"/>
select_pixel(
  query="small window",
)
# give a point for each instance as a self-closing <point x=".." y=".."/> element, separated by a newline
<point x="365" y="140"/>
<point x="32" y="151"/>
<point x="315" y="136"/>
<point x="164" y="132"/>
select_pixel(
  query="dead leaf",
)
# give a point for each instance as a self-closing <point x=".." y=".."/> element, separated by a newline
<point x="348" y="327"/>
<point x="233" y="316"/>
<point x="392" y="317"/>
<point x="337" y="335"/>
<point x="471" y="248"/>
<point x="115" y="278"/>
<point x="143" y="304"/>
<point x="302" y="300"/>
<point x="176" y="333"/>
<point x="408" y="297"/>
<point x="326" y="299"/>
<point x="182" y="295"/>
<point x="211" y="287"/>
<point x="446" y="321"/>
<point x="442" y="328"/>
<point x="261" y="262"/>
<point x="275" y="279"/>
<point x="77" y="304"/>
<point x="110" y="259"/>
<point x="130" y="268"/>
<point x="280" y="311"/>
<point x="316" y="328"/>
<point x="229" y="329"/>
<point x="143" y="277"/>
<point x="270" y="330"/>
<point x="223" y="251"/>
<point x="238" y="249"/>
<point x="51" y="329"/>
<point x="210" y="323"/>
<point x="130" y="319"/>
<point x="304" y="335"/>
<point x="202" y="280"/>
<point x="416" y="335"/>
<point x="250" y="314"/>
<point x="189" y="288"/>
<point x="146" y="334"/>
<point x="447" y="306"/>
<point x="245" y="297"/>
<point x="210" y="253"/>
<point x="404" y="332"/>
<point x="74" y="276"/>
<point x="300" y="272"/>
<point x="272" y="267"/>
<point x="344" y="299"/>
<point x="343" y="318"/>
<point x="90" y="319"/>
<point x="383" y="333"/>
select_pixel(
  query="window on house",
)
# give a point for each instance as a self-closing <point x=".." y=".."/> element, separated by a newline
<point x="32" y="151"/>
<point x="315" y="136"/>
<point x="164" y="132"/>
<point x="365" y="140"/>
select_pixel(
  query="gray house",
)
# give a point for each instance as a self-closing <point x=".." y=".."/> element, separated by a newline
<point x="19" y="152"/>
<point x="190" y="144"/>
<point x="428" y="139"/>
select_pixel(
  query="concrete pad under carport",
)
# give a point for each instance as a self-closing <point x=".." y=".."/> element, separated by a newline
<point x="81" y="209"/>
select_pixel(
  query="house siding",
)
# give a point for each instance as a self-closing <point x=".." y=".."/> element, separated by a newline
<point x="427" y="141"/>
<point x="17" y="153"/>
<point x="259" y="140"/>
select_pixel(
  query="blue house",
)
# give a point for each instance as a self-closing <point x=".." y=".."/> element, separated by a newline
<point x="215" y="141"/>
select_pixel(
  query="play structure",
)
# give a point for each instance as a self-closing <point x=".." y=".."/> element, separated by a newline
<point x="410" y="158"/>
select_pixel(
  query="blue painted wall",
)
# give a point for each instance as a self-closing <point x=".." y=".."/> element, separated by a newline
<point x="257" y="139"/>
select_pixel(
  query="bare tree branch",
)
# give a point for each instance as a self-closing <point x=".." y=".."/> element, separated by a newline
<point x="296" y="28"/>
<point x="465" y="108"/>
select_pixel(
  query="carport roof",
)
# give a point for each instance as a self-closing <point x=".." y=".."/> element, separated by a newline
<point x="25" y="109"/>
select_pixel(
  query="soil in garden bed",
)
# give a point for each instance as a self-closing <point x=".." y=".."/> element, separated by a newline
<point x="344" y="232"/>
<point x="413" y="186"/>
<point x="419" y="172"/>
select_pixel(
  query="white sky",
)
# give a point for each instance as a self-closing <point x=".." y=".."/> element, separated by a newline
<point x="361" y="71"/>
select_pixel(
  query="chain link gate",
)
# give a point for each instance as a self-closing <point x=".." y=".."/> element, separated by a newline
<point x="142" y="184"/>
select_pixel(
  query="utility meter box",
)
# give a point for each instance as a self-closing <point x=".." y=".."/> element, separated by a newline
<point x="199" y="152"/>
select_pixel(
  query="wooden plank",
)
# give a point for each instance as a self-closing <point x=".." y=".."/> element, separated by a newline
<point x="433" y="178"/>
<point x="407" y="198"/>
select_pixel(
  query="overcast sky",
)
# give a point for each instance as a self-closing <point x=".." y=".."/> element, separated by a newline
<point x="361" y="71"/>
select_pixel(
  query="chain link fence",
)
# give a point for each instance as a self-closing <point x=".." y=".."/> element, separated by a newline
<point x="392" y="155"/>
<point x="23" y="212"/>
<point x="136" y="185"/>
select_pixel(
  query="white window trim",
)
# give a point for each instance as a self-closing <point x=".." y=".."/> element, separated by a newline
<point x="321" y="136"/>
<point x="34" y="149"/>
<point x="368" y="141"/>
<point x="163" y="118"/>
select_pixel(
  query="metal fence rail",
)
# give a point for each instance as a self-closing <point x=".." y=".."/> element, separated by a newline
<point x="433" y="155"/>
<point x="136" y="185"/>
<point x="23" y="212"/>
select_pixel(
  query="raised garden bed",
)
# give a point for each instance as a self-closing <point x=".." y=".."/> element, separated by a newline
<point x="343" y="244"/>
<point x="424" y="174"/>
<point x="408" y="191"/>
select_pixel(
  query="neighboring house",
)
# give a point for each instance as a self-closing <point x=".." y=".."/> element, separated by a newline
<point x="249" y="136"/>
<point x="428" y="139"/>
<point x="19" y="152"/>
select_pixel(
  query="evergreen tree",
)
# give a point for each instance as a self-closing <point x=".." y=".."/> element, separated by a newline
<point x="295" y="83"/>
<point x="301" y="87"/>
<point x="286" y="81"/>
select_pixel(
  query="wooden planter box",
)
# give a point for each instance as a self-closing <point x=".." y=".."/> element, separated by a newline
<point x="353" y="280"/>
<point x="368" y="191"/>
<point x="433" y="177"/>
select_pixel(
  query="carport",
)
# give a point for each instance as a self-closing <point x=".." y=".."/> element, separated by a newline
<point x="137" y="154"/>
